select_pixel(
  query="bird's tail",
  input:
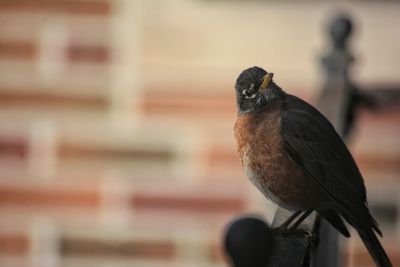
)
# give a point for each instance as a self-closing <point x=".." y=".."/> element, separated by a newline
<point x="374" y="247"/>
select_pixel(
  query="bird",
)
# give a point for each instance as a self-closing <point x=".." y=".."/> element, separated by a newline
<point x="295" y="158"/>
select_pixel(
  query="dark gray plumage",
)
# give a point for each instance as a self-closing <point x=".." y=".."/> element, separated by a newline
<point x="314" y="144"/>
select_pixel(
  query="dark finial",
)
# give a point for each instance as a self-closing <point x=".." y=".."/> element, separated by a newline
<point x="336" y="99"/>
<point x="248" y="242"/>
<point x="340" y="29"/>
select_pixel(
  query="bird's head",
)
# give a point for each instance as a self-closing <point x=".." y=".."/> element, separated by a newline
<point x="255" y="89"/>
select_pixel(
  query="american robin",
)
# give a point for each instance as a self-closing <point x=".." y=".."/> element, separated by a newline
<point x="294" y="156"/>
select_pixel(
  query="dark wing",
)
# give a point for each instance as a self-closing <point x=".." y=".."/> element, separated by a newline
<point x="313" y="143"/>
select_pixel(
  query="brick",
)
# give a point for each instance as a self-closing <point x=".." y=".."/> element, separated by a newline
<point x="17" y="50"/>
<point x="14" y="244"/>
<point x="86" y="151"/>
<point x="13" y="195"/>
<point x="13" y="147"/>
<point x="94" y="54"/>
<point x="186" y="101"/>
<point x="390" y="115"/>
<point x="217" y="156"/>
<point x="87" y="247"/>
<point x="360" y="257"/>
<point x="29" y="98"/>
<point x="187" y="203"/>
<point x="76" y="7"/>
<point x="377" y="162"/>
<point x="376" y="139"/>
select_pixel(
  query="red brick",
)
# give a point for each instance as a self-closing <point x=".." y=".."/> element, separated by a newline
<point x="17" y="50"/>
<point x="217" y="156"/>
<point x="360" y="257"/>
<point x="131" y="249"/>
<point x="188" y="101"/>
<point x="13" y="195"/>
<point x="188" y="203"/>
<point x="13" y="147"/>
<point x="390" y="115"/>
<point x="377" y="162"/>
<point x="95" y="54"/>
<point x="28" y="98"/>
<point x="75" y="151"/>
<point x="14" y="244"/>
<point x="76" y="7"/>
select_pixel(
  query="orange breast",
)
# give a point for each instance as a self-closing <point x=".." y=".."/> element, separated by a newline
<point x="266" y="163"/>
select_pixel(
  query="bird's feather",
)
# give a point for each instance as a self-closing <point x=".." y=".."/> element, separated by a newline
<point x="335" y="220"/>
<point x="374" y="247"/>
<point x="313" y="143"/>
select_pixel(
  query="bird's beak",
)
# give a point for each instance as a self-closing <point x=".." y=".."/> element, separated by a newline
<point x="266" y="81"/>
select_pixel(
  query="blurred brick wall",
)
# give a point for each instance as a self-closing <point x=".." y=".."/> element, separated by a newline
<point x="116" y="143"/>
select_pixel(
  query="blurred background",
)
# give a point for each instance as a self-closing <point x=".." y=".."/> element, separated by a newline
<point x="116" y="133"/>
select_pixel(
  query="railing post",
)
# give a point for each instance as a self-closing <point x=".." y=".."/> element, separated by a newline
<point x="336" y="99"/>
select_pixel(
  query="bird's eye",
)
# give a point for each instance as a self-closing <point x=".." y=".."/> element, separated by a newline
<point x="249" y="94"/>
